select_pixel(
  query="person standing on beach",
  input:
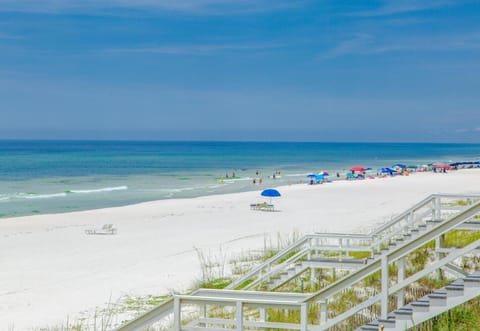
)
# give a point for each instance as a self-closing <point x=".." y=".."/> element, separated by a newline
<point x="260" y="181"/>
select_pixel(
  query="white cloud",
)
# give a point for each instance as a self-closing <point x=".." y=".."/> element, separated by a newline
<point x="366" y="44"/>
<point x="214" y="7"/>
<point x="394" y="7"/>
<point x="207" y="49"/>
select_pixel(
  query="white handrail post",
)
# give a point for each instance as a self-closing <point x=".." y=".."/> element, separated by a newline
<point x="323" y="311"/>
<point x="400" y="277"/>
<point x="263" y="314"/>
<point x="340" y="245"/>
<point x="303" y="316"/>
<point x="438" y="213"/>
<point x="384" y="295"/>
<point x="309" y="248"/>
<point x="203" y="313"/>
<point x="177" y="310"/>
<point x="239" y="316"/>
<point x="439" y="243"/>
<point x="312" y="279"/>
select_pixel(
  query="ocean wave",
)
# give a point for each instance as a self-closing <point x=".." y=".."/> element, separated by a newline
<point x="40" y="196"/>
<point x="24" y="195"/>
<point x="105" y="189"/>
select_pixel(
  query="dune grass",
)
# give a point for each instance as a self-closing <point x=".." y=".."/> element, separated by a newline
<point x="216" y="268"/>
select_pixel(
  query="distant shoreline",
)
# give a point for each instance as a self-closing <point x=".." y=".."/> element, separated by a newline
<point x="44" y="177"/>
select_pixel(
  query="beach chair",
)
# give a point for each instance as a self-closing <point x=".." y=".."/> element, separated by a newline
<point x="262" y="206"/>
<point x="106" y="229"/>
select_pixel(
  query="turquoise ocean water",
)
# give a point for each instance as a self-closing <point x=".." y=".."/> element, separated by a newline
<point x="61" y="176"/>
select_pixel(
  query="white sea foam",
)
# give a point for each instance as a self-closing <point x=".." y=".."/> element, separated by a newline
<point x="105" y="189"/>
<point x="41" y="196"/>
<point x="24" y="195"/>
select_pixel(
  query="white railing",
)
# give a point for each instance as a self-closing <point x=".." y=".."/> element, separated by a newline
<point x="429" y="209"/>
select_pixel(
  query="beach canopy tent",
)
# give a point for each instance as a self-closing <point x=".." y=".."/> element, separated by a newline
<point x="387" y="170"/>
<point x="456" y="164"/>
<point x="442" y="166"/>
<point x="358" y="168"/>
<point x="319" y="178"/>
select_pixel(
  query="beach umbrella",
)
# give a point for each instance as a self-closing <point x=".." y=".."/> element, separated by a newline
<point x="271" y="193"/>
<point x="399" y="165"/>
<point x="387" y="170"/>
<point x="358" y="168"/>
<point x="323" y="173"/>
<point x="412" y="167"/>
<point x="311" y="176"/>
<point x="319" y="178"/>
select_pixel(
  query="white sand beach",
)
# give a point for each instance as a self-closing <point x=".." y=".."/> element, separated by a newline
<point x="50" y="269"/>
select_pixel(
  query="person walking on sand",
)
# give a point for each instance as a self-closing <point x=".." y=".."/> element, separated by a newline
<point x="260" y="181"/>
<point x="254" y="181"/>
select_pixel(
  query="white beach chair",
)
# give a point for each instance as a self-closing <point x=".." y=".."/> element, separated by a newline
<point x="106" y="229"/>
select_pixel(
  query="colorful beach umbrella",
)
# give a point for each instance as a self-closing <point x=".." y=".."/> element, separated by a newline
<point x="399" y="165"/>
<point x="358" y="168"/>
<point x="323" y="173"/>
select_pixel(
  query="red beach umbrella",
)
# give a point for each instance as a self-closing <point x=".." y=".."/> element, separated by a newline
<point x="358" y="168"/>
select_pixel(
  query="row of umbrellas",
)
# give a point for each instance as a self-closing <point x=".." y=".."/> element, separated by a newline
<point x="271" y="193"/>
<point x="395" y="168"/>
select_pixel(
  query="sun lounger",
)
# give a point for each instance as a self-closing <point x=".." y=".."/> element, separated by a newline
<point x="106" y="229"/>
<point x="262" y="206"/>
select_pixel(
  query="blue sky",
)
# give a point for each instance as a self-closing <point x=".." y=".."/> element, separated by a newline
<point x="240" y="70"/>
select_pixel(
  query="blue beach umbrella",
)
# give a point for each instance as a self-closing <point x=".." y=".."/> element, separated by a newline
<point x="311" y="176"/>
<point x="319" y="178"/>
<point x="387" y="170"/>
<point x="270" y="193"/>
